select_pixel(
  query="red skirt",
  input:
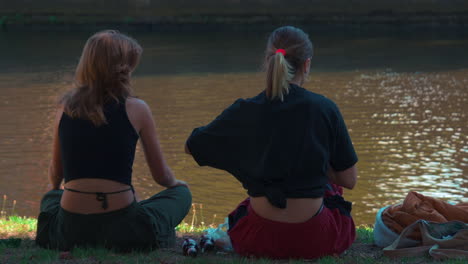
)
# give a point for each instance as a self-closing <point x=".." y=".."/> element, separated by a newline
<point x="330" y="232"/>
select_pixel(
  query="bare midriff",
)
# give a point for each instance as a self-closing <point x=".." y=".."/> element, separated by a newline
<point x="298" y="210"/>
<point x="83" y="203"/>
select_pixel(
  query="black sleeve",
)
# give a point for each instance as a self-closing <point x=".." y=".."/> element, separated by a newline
<point x="215" y="144"/>
<point x="342" y="153"/>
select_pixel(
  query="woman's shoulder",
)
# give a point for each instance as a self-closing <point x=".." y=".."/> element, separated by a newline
<point x="242" y="108"/>
<point x="136" y="104"/>
<point x="135" y="101"/>
<point x="257" y="99"/>
<point x="138" y="112"/>
<point x="249" y="105"/>
<point x="317" y="100"/>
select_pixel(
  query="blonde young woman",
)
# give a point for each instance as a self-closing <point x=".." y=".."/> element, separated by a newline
<point x="96" y="129"/>
<point x="290" y="149"/>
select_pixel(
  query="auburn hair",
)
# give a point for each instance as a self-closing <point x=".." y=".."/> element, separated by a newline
<point x="282" y="68"/>
<point x="102" y="75"/>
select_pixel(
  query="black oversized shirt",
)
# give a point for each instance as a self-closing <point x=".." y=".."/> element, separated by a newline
<point x="277" y="149"/>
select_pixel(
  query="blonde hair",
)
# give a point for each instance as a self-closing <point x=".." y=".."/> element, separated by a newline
<point x="282" y="68"/>
<point x="103" y="74"/>
<point x="279" y="77"/>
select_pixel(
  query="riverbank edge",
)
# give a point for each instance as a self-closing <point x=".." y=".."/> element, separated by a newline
<point x="10" y="21"/>
<point x="19" y="247"/>
<point x="17" y="244"/>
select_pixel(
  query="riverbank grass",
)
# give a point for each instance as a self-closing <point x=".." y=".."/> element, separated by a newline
<point x="17" y="246"/>
<point x="17" y="227"/>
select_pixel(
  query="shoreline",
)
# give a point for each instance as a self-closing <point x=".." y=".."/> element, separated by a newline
<point x="249" y="22"/>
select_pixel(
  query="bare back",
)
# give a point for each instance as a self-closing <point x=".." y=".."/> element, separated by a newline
<point x="302" y="209"/>
<point x="298" y="210"/>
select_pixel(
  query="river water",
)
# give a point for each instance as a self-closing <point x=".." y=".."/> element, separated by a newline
<point x="404" y="98"/>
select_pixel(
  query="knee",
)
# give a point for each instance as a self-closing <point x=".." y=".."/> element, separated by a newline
<point x="185" y="194"/>
<point x="181" y="194"/>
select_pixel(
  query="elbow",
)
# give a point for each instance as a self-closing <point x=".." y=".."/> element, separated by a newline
<point x="55" y="177"/>
<point x="347" y="178"/>
<point x="352" y="178"/>
<point x="187" y="150"/>
<point x="351" y="184"/>
<point x="165" y="177"/>
<point x="52" y="172"/>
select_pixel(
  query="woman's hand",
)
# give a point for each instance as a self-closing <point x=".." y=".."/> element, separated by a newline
<point x="178" y="183"/>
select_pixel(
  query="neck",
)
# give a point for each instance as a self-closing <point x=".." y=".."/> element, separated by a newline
<point x="297" y="81"/>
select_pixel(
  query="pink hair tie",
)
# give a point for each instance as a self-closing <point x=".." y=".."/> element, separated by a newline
<point x="281" y="51"/>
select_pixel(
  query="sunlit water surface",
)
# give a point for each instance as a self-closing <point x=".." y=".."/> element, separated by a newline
<point x="404" y="100"/>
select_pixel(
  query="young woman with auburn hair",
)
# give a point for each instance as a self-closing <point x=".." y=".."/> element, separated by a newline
<point x="97" y="126"/>
<point x="291" y="150"/>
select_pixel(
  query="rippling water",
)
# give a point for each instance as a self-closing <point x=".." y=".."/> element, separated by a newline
<point x="404" y="100"/>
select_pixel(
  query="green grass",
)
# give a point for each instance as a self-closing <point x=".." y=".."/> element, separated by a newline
<point x="17" y="246"/>
<point x="365" y="234"/>
<point x="29" y="253"/>
<point x="22" y="227"/>
<point x="16" y="226"/>
<point x="186" y="228"/>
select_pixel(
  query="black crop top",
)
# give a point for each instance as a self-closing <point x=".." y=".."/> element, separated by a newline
<point x="277" y="149"/>
<point x="105" y="152"/>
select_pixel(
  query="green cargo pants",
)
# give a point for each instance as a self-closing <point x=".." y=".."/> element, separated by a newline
<point x="143" y="225"/>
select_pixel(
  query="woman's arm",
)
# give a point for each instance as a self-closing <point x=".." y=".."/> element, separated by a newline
<point x="142" y="120"/>
<point x="217" y="144"/>
<point x="346" y="178"/>
<point x="55" y="167"/>
<point x="342" y="168"/>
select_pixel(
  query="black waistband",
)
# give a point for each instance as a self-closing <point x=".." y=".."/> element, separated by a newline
<point x="101" y="196"/>
<point x="337" y="201"/>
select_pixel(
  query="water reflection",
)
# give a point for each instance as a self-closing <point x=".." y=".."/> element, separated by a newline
<point x="409" y="128"/>
<point x="417" y="136"/>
